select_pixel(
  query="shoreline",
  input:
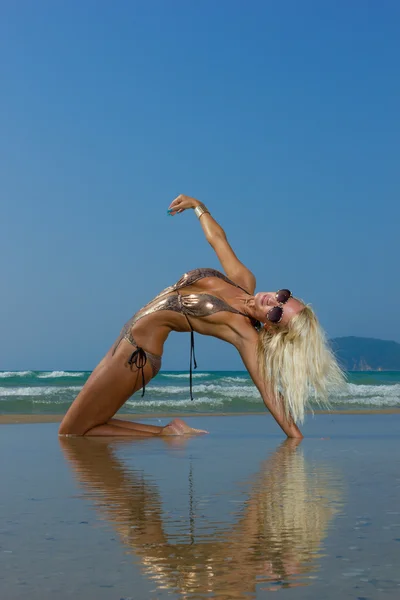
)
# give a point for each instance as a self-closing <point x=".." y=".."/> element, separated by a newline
<point x="30" y="419"/>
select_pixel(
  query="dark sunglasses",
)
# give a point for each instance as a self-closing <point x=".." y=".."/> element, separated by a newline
<point x="275" y="314"/>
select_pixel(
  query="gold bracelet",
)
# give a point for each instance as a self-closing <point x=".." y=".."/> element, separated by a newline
<point x="201" y="210"/>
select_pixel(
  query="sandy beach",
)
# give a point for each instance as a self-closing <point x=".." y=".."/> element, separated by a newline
<point x="233" y="514"/>
<point x="43" y="418"/>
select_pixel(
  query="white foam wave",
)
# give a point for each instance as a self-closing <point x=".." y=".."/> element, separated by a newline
<point x="213" y="394"/>
<point x="235" y="380"/>
<point x="366" y="391"/>
<point x="235" y="391"/>
<point x="381" y="401"/>
<point x="388" y="395"/>
<point x="202" y="401"/>
<point x="50" y="401"/>
<point x="52" y="374"/>
<point x="37" y="391"/>
<point x="15" y="373"/>
<point x="176" y="403"/>
<point x="185" y="375"/>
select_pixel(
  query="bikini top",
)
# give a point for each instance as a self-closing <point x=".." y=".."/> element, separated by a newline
<point x="190" y="305"/>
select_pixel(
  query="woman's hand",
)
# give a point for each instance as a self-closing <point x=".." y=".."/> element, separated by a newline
<point x="181" y="203"/>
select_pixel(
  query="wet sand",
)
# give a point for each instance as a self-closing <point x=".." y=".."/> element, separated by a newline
<point x="234" y="514"/>
<point x="30" y="418"/>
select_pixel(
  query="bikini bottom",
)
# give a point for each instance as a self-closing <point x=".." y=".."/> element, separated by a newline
<point x="139" y="358"/>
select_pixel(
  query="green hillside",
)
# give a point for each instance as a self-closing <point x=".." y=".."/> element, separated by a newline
<point x="366" y="354"/>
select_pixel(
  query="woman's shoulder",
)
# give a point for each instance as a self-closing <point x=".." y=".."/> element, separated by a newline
<point x="194" y="275"/>
<point x="202" y="272"/>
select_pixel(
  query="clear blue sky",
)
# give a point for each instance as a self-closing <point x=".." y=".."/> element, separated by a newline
<point x="282" y="117"/>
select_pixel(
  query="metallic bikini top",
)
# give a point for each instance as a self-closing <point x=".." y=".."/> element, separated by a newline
<point x="191" y="305"/>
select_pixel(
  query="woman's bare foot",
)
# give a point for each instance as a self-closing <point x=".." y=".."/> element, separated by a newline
<point x="179" y="427"/>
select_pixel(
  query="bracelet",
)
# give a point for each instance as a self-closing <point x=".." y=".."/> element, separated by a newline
<point x="201" y="210"/>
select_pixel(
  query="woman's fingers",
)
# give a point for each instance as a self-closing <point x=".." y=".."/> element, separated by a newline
<point x="181" y="203"/>
<point x="178" y="205"/>
<point x="174" y="209"/>
<point x="178" y="200"/>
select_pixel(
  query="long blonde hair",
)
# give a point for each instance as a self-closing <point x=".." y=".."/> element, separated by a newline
<point x="297" y="362"/>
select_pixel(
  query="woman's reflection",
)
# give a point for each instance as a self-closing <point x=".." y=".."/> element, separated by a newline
<point x="274" y="542"/>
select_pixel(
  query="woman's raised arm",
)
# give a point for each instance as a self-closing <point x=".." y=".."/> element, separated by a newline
<point x="216" y="237"/>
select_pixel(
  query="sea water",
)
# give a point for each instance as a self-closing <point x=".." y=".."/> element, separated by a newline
<point x="51" y="392"/>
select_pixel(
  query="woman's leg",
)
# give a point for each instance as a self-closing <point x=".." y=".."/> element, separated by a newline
<point x="114" y="430"/>
<point x="176" y="427"/>
<point x="141" y="427"/>
<point x="109" y="386"/>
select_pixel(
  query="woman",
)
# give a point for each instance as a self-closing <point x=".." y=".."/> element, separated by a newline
<point x="277" y="336"/>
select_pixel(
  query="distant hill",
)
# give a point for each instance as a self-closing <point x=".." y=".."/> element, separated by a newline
<point x="366" y="354"/>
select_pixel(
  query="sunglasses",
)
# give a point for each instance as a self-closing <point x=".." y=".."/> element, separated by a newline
<point x="275" y="314"/>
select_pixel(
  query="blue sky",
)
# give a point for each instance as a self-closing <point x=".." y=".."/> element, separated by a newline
<point x="282" y="117"/>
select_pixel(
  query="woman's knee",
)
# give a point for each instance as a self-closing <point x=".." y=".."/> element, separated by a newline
<point x="64" y="430"/>
<point x="68" y="427"/>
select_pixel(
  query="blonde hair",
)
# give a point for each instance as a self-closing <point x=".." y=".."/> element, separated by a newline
<point x="297" y="362"/>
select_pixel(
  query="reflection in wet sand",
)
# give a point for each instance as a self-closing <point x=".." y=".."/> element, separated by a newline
<point x="274" y="541"/>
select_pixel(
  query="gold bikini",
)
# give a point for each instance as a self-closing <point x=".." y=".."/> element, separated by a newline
<point x="190" y="305"/>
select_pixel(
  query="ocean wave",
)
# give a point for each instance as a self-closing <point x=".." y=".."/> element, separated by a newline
<point x="15" y="373"/>
<point x="235" y="380"/>
<point x="184" y="375"/>
<point x="210" y="388"/>
<point x="59" y="401"/>
<point x="176" y="403"/>
<point x="249" y="390"/>
<point x="381" y="401"/>
<point x="368" y="395"/>
<point x="37" y="391"/>
<point x="53" y="374"/>
<point x="207" y="401"/>
<point x="232" y="392"/>
<point x="366" y="391"/>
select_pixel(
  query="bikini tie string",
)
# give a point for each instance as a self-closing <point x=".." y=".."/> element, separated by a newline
<point x="192" y="362"/>
<point x="139" y="359"/>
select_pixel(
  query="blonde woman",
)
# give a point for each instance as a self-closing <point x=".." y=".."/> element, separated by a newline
<point x="278" y="337"/>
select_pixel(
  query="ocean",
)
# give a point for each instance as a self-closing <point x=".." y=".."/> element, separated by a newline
<point x="229" y="392"/>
